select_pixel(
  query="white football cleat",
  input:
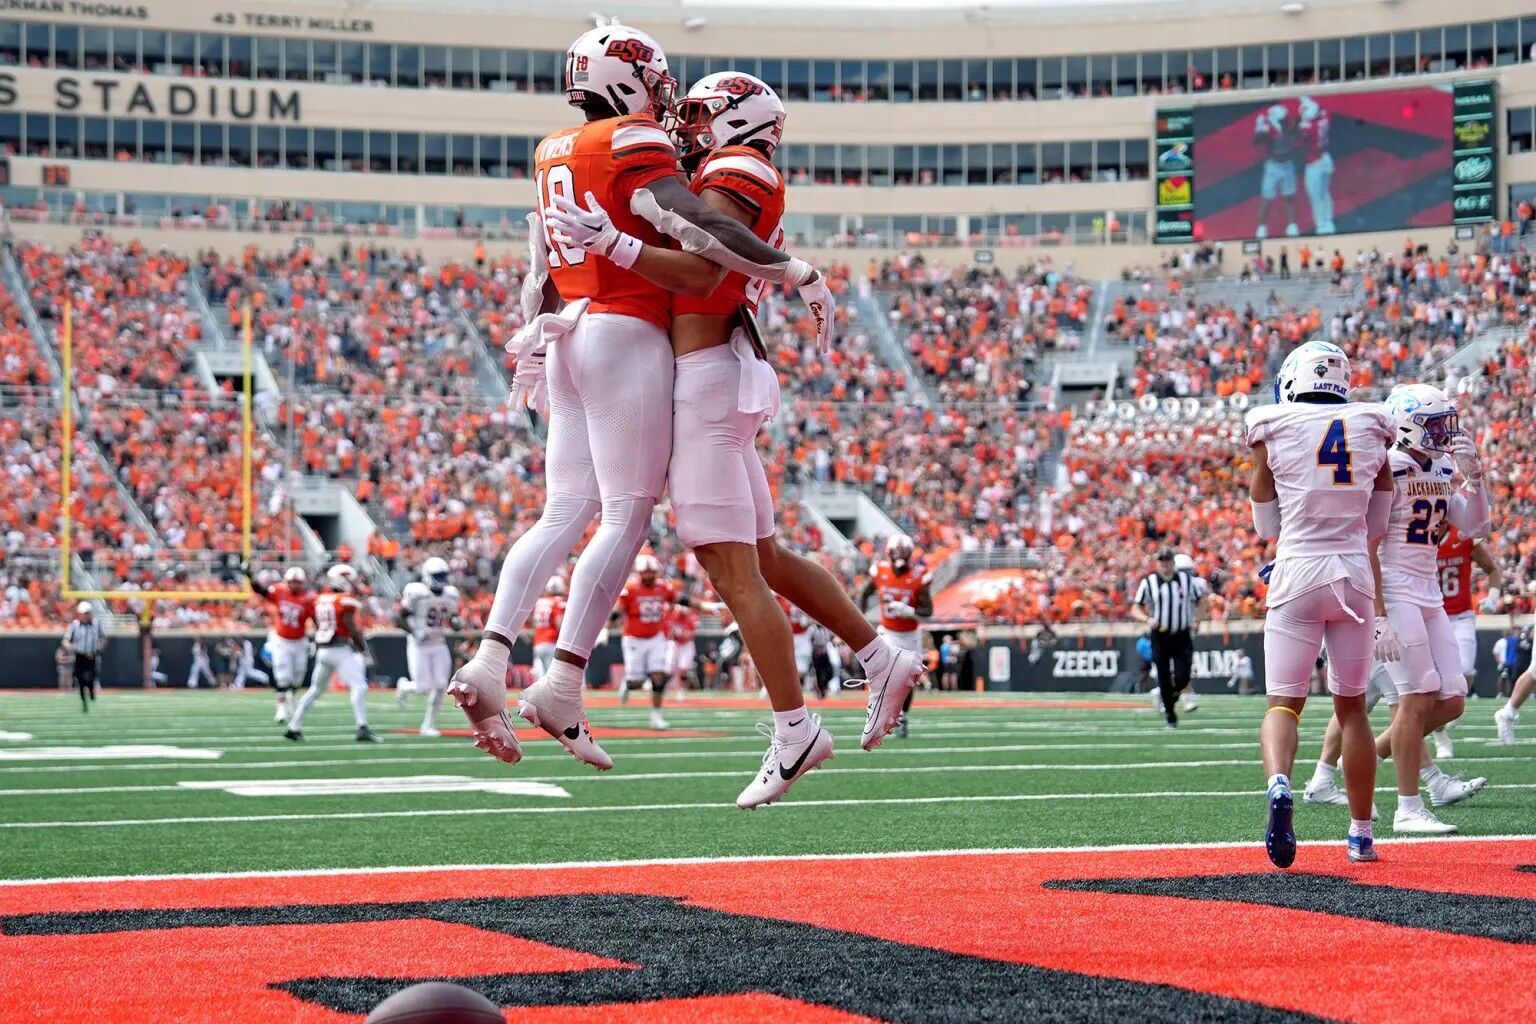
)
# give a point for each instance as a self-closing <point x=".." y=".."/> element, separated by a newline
<point x="1505" y="719"/>
<point x="1325" y="791"/>
<point x="565" y="719"/>
<point x="785" y="764"/>
<point x="281" y="716"/>
<point x="1450" y="789"/>
<point x="480" y="691"/>
<point x="658" y="722"/>
<point x="1420" y="822"/>
<point x="1444" y="749"/>
<point x="427" y="730"/>
<point x="888" y="691"/>
<point x="1188" y="702"/>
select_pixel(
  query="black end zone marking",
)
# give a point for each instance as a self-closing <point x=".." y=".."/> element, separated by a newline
<point x="1528" y="868"/>
<point x="681" y="951"/>
<point x="1503" y="918"/>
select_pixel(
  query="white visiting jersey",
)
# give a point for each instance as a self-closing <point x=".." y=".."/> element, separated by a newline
<point x="429" y="614"/>
<point x="1324" y="459"/>
<point x="1420" y="503"/>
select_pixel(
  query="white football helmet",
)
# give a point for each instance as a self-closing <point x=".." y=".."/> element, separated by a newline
<point x="622" y="66"/>
<point x="296" y="577"/>
<point x="434" y="573"/>
<point x="647" y="563"/>
<point x="556" y="585"/>
<point x="341" y="577"/>
<point x="1314" y="368"/>
<point x="899" y="549"/>
<point x="728" y="108"/>
<point x="1425" y="417"/>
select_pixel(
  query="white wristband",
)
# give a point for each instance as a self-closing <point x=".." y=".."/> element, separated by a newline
<point x="626" y="250"/>
<point x="799" y="272"/>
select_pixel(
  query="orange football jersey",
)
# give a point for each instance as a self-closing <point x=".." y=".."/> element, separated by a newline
<point x="1455" y="562"/>
<point x="645" y="608"/>
<point x="751" y="180"/>
<point x="799" y="622"/>
<point x="290" y="612"/>
<point x="548" y="613"/>
<point x="611" y="159"/>
<point x="330" y="626"/>
<point x="683" y="624"/>
<point x="904" y="587"/>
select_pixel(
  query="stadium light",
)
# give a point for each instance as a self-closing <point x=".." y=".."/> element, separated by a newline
<point x="1296" y="7"/>
<point x="695" y="23"/>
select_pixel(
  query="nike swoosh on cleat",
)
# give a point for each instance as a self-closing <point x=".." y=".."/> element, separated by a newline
<point x="793" y="770"/>
<point x="796" y="722"/>
<point x="574" y="732"/>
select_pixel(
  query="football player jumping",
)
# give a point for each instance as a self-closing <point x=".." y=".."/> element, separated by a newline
<point x="1323" y="489"/>
<point x="608" y="378"/>
<point x="728" y="128"/>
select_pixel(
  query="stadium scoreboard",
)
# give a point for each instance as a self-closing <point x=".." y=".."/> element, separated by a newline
<point x="1327" y="163"/>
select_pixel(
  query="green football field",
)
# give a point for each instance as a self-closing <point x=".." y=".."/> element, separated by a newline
<point x="174" y="782"/>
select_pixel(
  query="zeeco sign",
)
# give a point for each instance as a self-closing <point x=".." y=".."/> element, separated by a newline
<point x="1474" y="160"/>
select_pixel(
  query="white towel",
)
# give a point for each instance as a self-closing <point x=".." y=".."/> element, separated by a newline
<point x="758" y="391"/>
<point x="546" y="329"/>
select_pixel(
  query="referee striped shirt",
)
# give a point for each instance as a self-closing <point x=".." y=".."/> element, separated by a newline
<point x="1170" y="603"/>
<point x="84" y="637"/>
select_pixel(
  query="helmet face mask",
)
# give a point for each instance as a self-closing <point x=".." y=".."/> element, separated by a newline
<point x="1426" y="420"/>
<point x="296" y="579"/>
<point x="899" y="550"/>
<point x="727" y="108"/>
<point x="341" y="577"/>
<point x="434" y="573"/>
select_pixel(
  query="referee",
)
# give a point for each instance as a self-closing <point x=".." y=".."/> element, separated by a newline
<point x="83" y="638"/>
<point x="1167" y="601"/>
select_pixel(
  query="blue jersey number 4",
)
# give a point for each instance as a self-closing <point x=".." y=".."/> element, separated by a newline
<point x="1334" y="451"/>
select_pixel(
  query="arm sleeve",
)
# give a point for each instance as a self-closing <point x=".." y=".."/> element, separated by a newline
<point x="1470" y="512"/>
<point x="1378" y="514"/>
<point x="700" y="241"/>
<point x="1266" y="517"/>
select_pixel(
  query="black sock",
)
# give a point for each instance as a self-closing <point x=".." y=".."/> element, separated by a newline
<point x="906" y="705"/>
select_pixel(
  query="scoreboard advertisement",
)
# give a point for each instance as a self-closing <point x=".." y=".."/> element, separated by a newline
<point x="1328" y="163"/>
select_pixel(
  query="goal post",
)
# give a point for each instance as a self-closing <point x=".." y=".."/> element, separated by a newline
<point x="67" y="480"/>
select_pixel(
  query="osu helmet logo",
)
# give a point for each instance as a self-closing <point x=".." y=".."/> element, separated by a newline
<point x="632" y="50"/>
<point x="738" y="86"/>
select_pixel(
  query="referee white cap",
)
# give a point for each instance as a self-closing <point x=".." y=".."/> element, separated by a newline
<point x="83" y="608"/>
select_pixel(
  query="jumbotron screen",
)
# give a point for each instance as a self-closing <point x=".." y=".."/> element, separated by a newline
<point x="1327" y="163"/>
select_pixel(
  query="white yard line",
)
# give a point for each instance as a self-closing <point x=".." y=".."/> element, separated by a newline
<point x="1249" y="794"/>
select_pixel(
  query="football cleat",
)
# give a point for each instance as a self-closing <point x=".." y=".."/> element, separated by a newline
<point x="624" y="691"/>
<point x="785" y="764"/>
<point x="1362" y="850"/>
<point x="659" y="722"/>
<point x="292" y="734"/>
<point x="1505" y="719"/>
<point x="1188" y="702"/>
<point x="481" y="693"/>
<point x="1325" y="791"/>
<point x="1420" y="822"/>
<point x="565" y="719"/>
<point x="1280" y="834"/>
<point x="367" y="735"/>
<point x="888" y="691"/>
<point x="281" y="716"/>
<point x="1450" y="789"/>
<point x="429" y="731"/>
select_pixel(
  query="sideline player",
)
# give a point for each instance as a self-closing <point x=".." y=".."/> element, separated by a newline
<point x="609" y="372"/>
<point x="1458" y="553"/>
<point x="646" y="604"/>
<point x="429" y="607"/>
<point x="800" y="632"/>
<point x="682" y="655"/>
<point x="291" y="605"/>
<point x="1322" y="488"/>
<point x="548" y="614"/>
<point x="727" y="130"/>
<point x="900" y="583"/>
<point x="342" y="652"/>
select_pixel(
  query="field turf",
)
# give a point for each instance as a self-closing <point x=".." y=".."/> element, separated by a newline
<point x="1046" y="858"/>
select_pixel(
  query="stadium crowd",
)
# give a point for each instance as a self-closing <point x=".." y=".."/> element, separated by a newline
<point x="386" y="400"/>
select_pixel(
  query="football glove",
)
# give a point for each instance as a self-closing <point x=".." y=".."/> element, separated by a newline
<point x="1265" y="570"/>
<point x="1494" y="599"/>
<point x="1387" y="646"/>
<point x="817" y="296"/>
<point x="590" y="229"/>
<point x="1464" y="451"/>
<point x="899" y="610"/>
<point x="532" y="296"/>
<point x="529" y="385"/>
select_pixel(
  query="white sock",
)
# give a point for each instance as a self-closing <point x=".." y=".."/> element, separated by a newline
<point x="1360" y="828"/>
<point x="1278" y="779"/>
<point x="360" y="706"/>
<point x="434" y="701"/>
<point x="1409" y="803"/>
<point x="1430" y="772"/>
<point x="1325" y="772"/>
<point x="874" y="655"/>
<point x="565" y="678"/>
<point x="1510" y="709"/>
<point x="494" y="654"/>
<point x="792" y="726"/>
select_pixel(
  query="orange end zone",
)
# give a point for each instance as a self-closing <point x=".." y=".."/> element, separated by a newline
<point x="991" y="910"/>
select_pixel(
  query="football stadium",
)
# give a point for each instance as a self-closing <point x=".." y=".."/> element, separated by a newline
<point x="732" y="510"/>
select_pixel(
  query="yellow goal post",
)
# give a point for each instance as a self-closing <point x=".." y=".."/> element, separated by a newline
<point x="66" y="488"/>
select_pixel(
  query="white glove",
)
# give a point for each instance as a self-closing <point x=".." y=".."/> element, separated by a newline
<point x="590" y="229"/>
<point x="817" y="296"/>
<point x="532" y="296"/>
<point x="1464" y="451"/>
<point x="1494" y="599"/>
<point x="529" y="386"/>
<point x="899" y="610"/>
<point x="1387" y="646"/>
